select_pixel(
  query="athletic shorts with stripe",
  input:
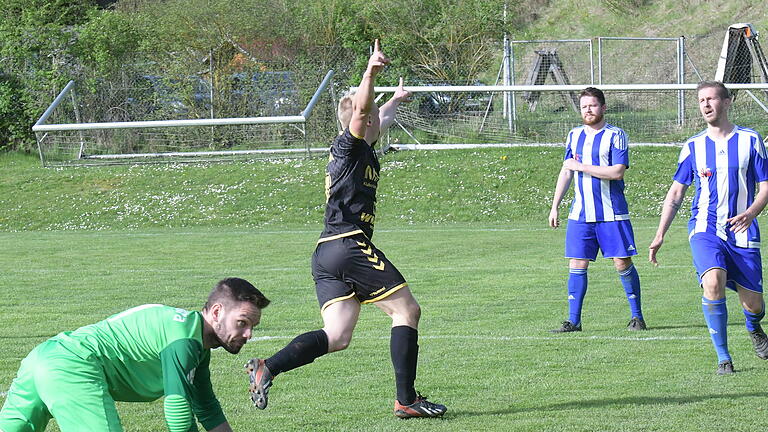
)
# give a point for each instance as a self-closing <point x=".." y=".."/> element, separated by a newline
<point x="615" y="239"/>
<point x="353" y="267"/>
<point x="743" y="266"/>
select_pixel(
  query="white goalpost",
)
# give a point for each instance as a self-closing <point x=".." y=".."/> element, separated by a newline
<point x="69" y="140"/>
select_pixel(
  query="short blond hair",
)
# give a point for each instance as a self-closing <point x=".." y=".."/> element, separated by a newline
<point x="722" y="90"/>
<point x="344" y="111"/>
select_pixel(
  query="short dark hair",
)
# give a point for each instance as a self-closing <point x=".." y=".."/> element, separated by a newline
<point x="232" y="290"/>
<point x="594" y="92"/>
<point x="722" y="90"/>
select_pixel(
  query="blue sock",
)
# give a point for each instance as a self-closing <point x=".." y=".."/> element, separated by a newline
<point x="716" y="316"/>
<point x="577" y="289"/>
<point x="631" y="282"/>
<point x="753" y="320"/>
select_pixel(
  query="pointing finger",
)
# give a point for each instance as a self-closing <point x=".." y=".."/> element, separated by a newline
<point x="401" y="82"/>
<point x="376" y="45"/>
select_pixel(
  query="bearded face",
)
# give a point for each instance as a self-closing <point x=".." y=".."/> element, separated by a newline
<point x="592" y="111"/>
<point x="234" y="325"/>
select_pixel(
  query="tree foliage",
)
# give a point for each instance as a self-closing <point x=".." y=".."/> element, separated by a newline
<point x="45" y="43"/>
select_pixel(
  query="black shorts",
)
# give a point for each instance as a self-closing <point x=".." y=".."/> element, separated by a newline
<point x="352" y="267"/>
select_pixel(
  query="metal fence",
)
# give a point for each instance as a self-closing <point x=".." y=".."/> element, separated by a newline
<point x="282" y="86"/>
<point x="648" y="113"/>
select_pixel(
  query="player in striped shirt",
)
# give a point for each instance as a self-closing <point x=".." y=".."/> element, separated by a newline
<point x="139" y="355"/>
<point x="596" y="156"/>
<point x="724" y="162"/>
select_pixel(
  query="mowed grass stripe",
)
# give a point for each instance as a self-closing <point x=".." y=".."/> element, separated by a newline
<point x="488" y="299"/>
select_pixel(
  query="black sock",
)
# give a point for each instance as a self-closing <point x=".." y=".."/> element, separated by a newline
<point x="404" y="348"/>
<point x="303" y="349"/>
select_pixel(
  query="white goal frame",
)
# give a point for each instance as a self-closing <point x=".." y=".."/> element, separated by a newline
<point x="42" y="129"/>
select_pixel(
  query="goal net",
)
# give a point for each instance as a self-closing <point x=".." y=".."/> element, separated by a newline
<point x="153" y="121"/>
<point x="460" y="116"/>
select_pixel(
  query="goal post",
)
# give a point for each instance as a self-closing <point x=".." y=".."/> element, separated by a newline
<point x="71" y="141"/>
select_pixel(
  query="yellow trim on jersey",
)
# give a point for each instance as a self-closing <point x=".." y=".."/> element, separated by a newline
<point x="338" y="236"/>
<point x="360" y="138"/>
<point x="336" y="300"/>
<point x="386" y="294"/>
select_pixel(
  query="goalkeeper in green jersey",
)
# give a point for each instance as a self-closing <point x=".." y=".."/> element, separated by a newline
<point x="138" y="355"/>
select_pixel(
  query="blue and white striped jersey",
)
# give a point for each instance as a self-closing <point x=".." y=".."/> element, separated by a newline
<point x="595" y="199"/>
<point x="725" y="173"/>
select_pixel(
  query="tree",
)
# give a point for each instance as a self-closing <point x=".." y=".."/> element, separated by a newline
<point x="36" y="40"/>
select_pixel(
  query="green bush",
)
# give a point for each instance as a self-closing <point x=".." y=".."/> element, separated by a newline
<point x="15" y="126"/>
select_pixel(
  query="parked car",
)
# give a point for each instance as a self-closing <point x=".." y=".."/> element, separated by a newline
<point x="159" y="96"/>
<point x="270" y="93"/>
<point x="440" y="104"/>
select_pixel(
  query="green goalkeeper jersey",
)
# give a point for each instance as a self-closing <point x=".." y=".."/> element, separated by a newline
<point x="152" y="351"/>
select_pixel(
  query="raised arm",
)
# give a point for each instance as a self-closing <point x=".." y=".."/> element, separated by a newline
<point x="669" y="209"/>
<point x="362" y="102"/>
<point x="388" y="110"/>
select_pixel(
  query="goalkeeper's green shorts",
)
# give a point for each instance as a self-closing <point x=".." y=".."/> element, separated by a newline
<point x="54" y="382"/>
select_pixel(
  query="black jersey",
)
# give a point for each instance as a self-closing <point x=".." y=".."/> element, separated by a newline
<point x="351" y="179"/>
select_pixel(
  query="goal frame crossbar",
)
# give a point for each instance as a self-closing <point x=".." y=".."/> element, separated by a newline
<point x="41" y="128"/>
<point x="570" y="87"/>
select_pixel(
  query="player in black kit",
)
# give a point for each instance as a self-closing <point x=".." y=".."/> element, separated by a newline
<point x="348" y="269"/>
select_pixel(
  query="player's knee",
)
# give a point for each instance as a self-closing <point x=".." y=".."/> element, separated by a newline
<point x="712" y="291"/>
<point x="578" y="263"/>
<point x="753" y="305"/>
<point x="338" y="341"/>
<point x="622" y="264"/>
<point x="338" y="345"/>
<point x="415" y="312"/>
<point x="409" y="315"/>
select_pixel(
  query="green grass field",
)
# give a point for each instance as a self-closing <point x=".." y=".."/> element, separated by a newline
<point x="489" y="293"/>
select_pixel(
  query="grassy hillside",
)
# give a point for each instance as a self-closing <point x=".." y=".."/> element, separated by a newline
<point x="647" y="18"/>
<point x="494" y="186"/>
<point x="702" y="22"/>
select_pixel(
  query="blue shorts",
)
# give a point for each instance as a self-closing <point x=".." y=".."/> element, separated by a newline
<point x="743" y="266"/>
<point x="615" y="239"/>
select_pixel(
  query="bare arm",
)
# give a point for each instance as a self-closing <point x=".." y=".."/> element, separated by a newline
<point x="388" y="110"/>
<point x="363" y="99"/>
<point x="741" y="222"/>
<point x="563" y="183"/>
<point x="669" y="209"/>
<point x="612" y="172"/>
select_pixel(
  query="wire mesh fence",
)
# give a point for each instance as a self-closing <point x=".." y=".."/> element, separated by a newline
<point x="220" y="87"/>
<point x="640" y="60"/>
<point x="575" y="57"/>
<point x="648" y="116"/>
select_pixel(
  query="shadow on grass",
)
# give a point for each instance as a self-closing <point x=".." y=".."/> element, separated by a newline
<point x="701" y="325"/>
<point x="695" y="325"/>
<point x="615" y="402"/>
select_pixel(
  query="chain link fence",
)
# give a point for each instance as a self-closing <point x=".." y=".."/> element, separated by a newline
<point x="575" y="57"/>
<point x="223" y="86"/>
<point x="640" y="60"/>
